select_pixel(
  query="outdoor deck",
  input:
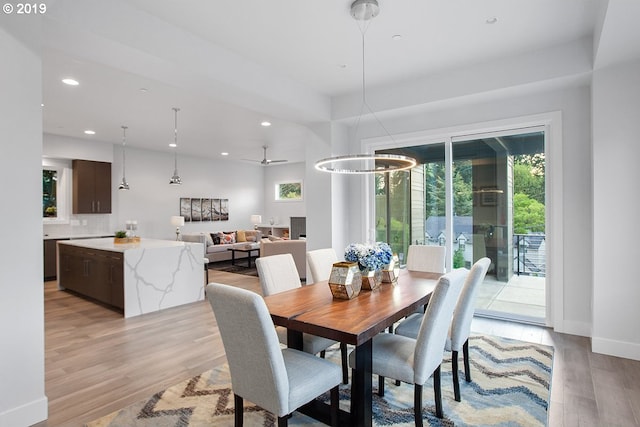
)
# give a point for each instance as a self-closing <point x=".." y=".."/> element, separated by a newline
<point x="523" y="296"/>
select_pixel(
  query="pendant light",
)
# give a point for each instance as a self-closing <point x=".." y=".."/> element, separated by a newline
<point x="124" y="185"/>
<point x="365" y="11"/>
<point x="175" y="179"/>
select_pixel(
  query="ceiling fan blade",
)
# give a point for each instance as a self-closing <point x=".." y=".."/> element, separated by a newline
<point x="276" y="161"/>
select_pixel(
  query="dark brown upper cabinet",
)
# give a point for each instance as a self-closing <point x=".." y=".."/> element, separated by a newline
<point x="91" y="187"/>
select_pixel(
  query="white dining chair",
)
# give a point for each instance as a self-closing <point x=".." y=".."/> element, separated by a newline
<point x="320" y="263"/>
<point x="458" y="339"/>
<point x="414" y="361"/>
<point x="278" y="273"/>
<point x="278" y="380"/>
<point x="426" y="258"/>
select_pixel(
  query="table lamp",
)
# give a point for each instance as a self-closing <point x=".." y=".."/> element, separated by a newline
<point x="255" y="220"/>
<point x="177" y="221"/>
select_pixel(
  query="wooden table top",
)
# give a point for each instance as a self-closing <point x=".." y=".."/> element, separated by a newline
<point x="312" y="308"/>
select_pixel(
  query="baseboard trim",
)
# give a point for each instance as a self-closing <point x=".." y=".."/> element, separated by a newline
<point x="616" y="348"/>
<point x="27" y="414"/>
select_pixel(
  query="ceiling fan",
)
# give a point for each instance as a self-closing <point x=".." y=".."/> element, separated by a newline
<point x="266" y="161"/>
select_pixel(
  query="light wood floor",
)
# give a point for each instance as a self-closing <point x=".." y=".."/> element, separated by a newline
<point x="97" y="362"/>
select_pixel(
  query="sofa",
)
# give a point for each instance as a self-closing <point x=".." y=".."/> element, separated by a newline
<point x="297" y="248"/>
<point x="216" y="244"/>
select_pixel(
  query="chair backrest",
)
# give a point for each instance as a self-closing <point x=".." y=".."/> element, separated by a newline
<point x="320" y="263"/>
<point x="435" y="324"/>
<point x="463" y="314"/>
<point x="277" y="273"/>
<point x="426" y="258"/>
<point x="256" y="363"/>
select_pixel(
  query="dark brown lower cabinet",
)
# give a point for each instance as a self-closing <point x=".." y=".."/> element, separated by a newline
<point x="93" y="273"/>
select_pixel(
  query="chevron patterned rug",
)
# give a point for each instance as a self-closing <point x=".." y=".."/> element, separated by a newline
<point x="510" y="387"/>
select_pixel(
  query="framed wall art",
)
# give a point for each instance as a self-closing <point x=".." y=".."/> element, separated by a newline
<point x="185" y="208"/>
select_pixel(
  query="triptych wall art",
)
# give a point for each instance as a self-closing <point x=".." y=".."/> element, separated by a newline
<point x="193" y="209"/>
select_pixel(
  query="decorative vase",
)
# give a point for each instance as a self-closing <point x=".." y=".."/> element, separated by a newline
<point x="371" y="279"/>
<point x="391" y="271"/>
<point x="345" y="281"/>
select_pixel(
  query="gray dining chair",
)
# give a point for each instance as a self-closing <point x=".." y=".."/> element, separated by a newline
<point x="278" y="273"/>
<point x="320" y="263"/>
<point x="278" y="380"/>
<point x="460" y="329"/>
<point x="415" y="360"/>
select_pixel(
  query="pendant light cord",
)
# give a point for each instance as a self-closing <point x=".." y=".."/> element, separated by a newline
<point x="124" y="137"/>
<point x="175" y="140"/>
<point x="364" y="26"/>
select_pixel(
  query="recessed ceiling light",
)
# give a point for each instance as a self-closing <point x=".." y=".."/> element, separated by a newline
<point x="70" y="82"/>
<point x="396" y="37"/>
<point x="90" y="132"/>
<point x="224" y="153"/>
<point x="266" y="123"/>
<point x="173" y="145"/>
<point x="144" y="89"/>
<point x="42" y="105"/>
<point x="342" y="65"/>
<point x="492" y="20"/>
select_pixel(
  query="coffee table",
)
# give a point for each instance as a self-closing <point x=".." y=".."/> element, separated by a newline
<point x="247" y="251"/>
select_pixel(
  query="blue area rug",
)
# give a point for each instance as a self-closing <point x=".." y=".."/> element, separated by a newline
<point x="510" y="387"/>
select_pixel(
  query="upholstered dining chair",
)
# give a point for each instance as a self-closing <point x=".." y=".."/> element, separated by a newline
<point x="429" y="259"/>
<point x="460" y="329"/>
<point x="320" y="263"/>
<point x="426" y="258"/>
<point x="415" y="360"/>
<point x="278" y="273"/>
<point x="278" y="380"/>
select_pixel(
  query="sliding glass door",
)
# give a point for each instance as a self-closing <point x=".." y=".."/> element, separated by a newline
<point x="480" y="195"/>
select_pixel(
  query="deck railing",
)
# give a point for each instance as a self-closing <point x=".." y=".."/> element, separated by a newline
<point x="529" y="255"/>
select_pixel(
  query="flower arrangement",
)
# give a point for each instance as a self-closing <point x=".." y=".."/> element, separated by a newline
<point x="369" y="256"/>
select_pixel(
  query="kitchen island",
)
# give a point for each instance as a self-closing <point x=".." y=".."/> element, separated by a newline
<point x="136" y="278"/>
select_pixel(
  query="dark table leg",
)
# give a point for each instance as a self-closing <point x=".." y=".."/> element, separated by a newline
<point x="361" y="391"/>
<point x="233" y="257"/>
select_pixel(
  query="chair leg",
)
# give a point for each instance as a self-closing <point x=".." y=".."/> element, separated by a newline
<point x="345" y="366"/>
<point x="238" y="409"/>
<point x="437" y="392"/>
<point x="417" y="404"/>
<point x="454" y="371"/>
<point x="322" y="354"/>
<point x="283" y="421"/>
<point x="465" y="352"/>
<point x="398" y="382"/>
<point x="335" y="406"/>
<point x="380" y="386"/>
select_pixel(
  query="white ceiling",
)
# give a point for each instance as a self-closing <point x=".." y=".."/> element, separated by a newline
<point x="230" y="64"/>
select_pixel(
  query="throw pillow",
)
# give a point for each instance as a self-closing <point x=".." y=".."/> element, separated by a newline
<point x="216" y="238"/>
<point x="208" y="239"/>
<point x="251" y="238"/>
<point x="241" y="236"/>
<point x="228" y="238"/>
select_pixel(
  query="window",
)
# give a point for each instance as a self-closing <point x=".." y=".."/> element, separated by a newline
<point x="49" y="193"/>
<point x="289" y="191"/>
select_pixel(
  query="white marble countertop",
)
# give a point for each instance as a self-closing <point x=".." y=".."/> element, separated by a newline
<point x="50" y="236"/>
<point x="107" y="244"/>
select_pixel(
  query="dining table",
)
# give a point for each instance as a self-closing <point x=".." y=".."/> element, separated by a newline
<point x="312" y="309"/>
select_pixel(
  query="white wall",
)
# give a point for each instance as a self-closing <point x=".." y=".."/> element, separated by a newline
<point x="152" y="201"/>
<point x="281" y="211"/>
<point x="574" y="103"/>
<point x="616" y="150"/>
<point x="22" y="395"/>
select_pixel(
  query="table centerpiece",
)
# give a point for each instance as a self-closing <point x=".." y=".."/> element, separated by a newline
<point x="370" y="258"/>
